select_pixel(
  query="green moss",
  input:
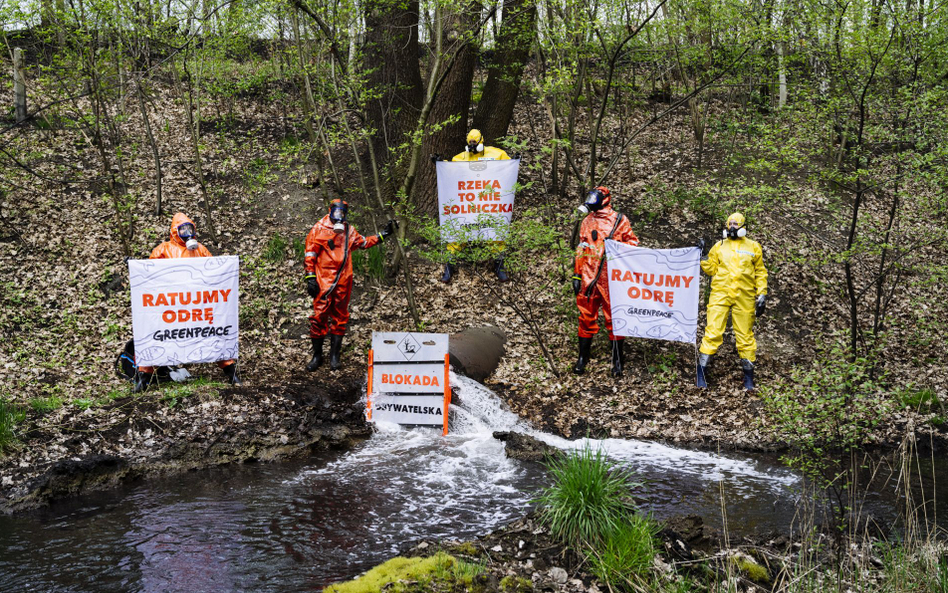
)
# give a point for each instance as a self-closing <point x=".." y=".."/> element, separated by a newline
<point x="407" y="574"/>
<point x="511" y="584"/>
<point x="467" y="549"/>
<point x="751" y="569"/>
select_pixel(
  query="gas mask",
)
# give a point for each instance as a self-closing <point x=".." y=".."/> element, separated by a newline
<point x="337" y="214"/>
<point x="595" y="200"/>
<point x="734" y="233"/>
<point x="188" y="235"/>
<point x="475" y="142"/>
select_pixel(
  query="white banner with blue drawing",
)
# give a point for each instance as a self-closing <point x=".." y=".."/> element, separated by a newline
<point x="184" y="310"/>
<point x="654" y="293"/>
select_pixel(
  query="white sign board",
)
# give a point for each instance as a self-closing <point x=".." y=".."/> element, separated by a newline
<point x="408" y="409"/>
<point x="184" y="309"/>
<point x="408" y="379"/>
<point x="476" y="198"/>
<point x="654" y="293"/>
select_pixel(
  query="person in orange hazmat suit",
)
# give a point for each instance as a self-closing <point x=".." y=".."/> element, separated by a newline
<point x="182" y="243"/>
<point x="329" y="245"/>
<point x="591" y="273"/>
<point x="738" y="289"/>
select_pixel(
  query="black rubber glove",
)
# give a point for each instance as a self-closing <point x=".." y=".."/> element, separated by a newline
<point x="389" y="228"/>
<point x="312" y="287"/>
<point x="577" y="285"/>
<point x="700" y="244"/>
<point x="435" y="158"/>
<point x="518" y="156"/>
<point x="761" y="305"/>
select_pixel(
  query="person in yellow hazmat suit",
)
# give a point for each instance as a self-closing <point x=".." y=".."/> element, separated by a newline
<point x="738" y="287"/>
<point x="475" y="150"/>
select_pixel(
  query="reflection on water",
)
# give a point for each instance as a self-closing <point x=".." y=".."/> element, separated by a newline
<point x="297" y="526"/>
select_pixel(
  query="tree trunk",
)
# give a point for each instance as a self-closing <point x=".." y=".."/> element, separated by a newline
<point x="154" y="147"/>
<point x="391" y="60"/>
<point x="309" y="104"/>
<point x="454" y="100"/>
<point x="517" y="34"/>
<point x="19" y="85"/>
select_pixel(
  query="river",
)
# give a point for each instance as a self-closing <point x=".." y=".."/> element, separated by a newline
<point x="298" y="526"/>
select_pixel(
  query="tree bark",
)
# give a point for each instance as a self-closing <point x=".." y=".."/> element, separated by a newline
<point x="511" y="52"/>
<point x="19" y="85"/>
<point x="453" y="100"/>
<point x="394" y="78"/>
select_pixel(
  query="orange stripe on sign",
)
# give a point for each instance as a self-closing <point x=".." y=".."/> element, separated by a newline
<point x="368" y="389"/>
<point x="447" y="391"/>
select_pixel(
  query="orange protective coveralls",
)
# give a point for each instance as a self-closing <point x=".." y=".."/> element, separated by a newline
<point x="590" y="252"/>
<point x="328" y="257"/>
<point x="175" y="247"/>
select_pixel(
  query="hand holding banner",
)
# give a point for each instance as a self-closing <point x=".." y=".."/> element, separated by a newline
<point x="184" y="309"/>
<point x="475" y="198"/>
<point x="654" y="292"/>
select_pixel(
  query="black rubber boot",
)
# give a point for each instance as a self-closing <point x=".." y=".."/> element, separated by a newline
<point x="142" y="381"/>
<point x="233" y="376"/>
<point x="748" y="368"/>
<point x="618" y="358"/>
<point x="585" y="345"/>
<point x="317" y="359"/>
<point x="500" y="271"/>
<point x="335" y="345"/>
<point x="449" y="271"/>
<point x="703" y="360"/>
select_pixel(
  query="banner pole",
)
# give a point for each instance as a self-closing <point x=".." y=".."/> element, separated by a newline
<point x="447" y="391"/>
<point x="368" y="388"/>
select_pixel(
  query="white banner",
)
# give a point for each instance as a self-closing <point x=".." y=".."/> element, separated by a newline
<point x="184" y="309"/>
<point x="475" y="198"/>
<point x="654" y="293"/>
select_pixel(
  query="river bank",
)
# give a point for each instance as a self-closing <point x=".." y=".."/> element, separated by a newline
<point x="522" y="557"/>
<point x="178" y="428"/>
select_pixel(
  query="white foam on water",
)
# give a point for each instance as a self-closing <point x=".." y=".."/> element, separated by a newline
<point x="482" y="410"/>
<point x="470" y="459"/>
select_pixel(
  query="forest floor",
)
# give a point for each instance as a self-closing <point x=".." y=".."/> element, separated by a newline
<point x="67" y="316"/>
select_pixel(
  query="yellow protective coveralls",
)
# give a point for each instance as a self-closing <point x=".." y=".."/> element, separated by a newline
<point x="738" y="278"/>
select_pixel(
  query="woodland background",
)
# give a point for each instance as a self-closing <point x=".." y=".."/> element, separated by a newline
<point x="823" y="121"/>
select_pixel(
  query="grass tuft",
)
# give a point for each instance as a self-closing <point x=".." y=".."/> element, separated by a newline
<point x="46" y="404"/>
<point x="590" y="498"/>
<point x="369" y="262"/>
<point x="275" y="250"/>
<point x="10" y="416"/>
<point x="627" y="551"/>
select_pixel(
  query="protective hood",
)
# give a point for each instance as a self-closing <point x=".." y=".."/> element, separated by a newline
<point x="740" y="232"/>
<point x="338" y="211"/>
<point x="736" y="217"/>
<point x="597" y="199"/>
<point x="475" y="141"/>
<point x="176" y="221"/>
